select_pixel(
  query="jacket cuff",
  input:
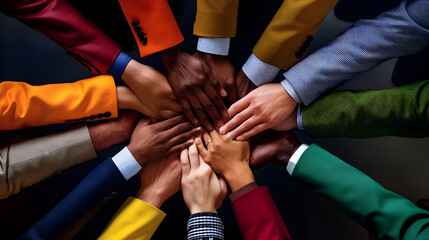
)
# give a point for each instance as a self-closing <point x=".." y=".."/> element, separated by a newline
<point x="243" y="190"/>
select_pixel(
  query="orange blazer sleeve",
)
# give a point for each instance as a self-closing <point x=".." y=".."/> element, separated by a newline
<point x="23" y="105"/>
<point x="153" y="25"/>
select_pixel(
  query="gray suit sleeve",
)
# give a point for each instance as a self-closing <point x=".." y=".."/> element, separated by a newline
<point x="25" y="161"/>
<point x="365" y="45"/>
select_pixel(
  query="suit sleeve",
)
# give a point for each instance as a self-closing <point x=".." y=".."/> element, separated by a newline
<point x="23" y="105"/>
<point x="401" y="111"/>
<point x="26" y="161"/>
<point x="363" y="46"/>
<point x="388" y="214"/>
<point x="291" y="31"/>
<point x="258" y="217"/>
<point x="216" y="18"/>
<point x="153" y="25"/>
<point x="136" y="219"/>
<point x="67" y="217"/>
<point x="65" y="25"/>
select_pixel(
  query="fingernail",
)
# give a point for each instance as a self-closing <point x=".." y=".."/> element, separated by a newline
<point x="229" y="135"/>
<point x="195" y="121"/>
<point x="239" y="138"/>
<point x="222" y="130"/>
<point x="223" y="93"/>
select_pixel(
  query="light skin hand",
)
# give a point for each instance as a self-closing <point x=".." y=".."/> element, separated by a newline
<point x="288" y="124"/>
<point x="221" y="69"/>
<point x="151" y="142"/>
<point x="263" y="108"/>
<point x="152" y="88"/>
<point x="227" y="158"/>
<point x="160" y="180"/>
<point x="202" y="190"/>
<point x="194" y="89"/>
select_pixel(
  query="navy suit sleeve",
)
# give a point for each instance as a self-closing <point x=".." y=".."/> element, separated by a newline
<point x="61" y="221"/>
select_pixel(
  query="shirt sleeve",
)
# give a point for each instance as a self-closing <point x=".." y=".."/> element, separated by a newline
<point x="119" y="65"/>
<point x="206" y="226"/>
<point x="295" y="158"/>
<point x="126" y="163"/>
<point x="217" y="46"/>
<point x="258" y="71"/>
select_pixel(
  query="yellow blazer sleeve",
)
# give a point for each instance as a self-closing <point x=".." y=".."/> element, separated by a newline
<point x="153" y="25"/>
<point x="136" y="219"/>
<point x="23" y="105"/>
<point x="291" y="31"/>
<point x="216" y="18"/>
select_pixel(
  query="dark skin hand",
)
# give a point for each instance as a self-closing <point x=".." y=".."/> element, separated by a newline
<point x="243" y="85"/>
<point x="221" y="69"/>
<point x="271" y="146"/>
<point x="152" y="142"/>
<point x="197" y="92"/>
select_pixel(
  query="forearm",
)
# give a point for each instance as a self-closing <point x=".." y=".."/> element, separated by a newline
<point x="392" y="215"/>
<point x="63" y="24"/>
<point x="401" y="111"/>
<point x="365" y="45"/>
<point x="26" y="161"/>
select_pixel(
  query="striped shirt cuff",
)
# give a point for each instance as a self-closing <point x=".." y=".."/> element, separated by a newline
<point x="205" y="225"/>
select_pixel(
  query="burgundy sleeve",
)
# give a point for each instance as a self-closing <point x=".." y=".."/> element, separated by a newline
<point x="258" y="217"/>
<point x="65" y="25"/>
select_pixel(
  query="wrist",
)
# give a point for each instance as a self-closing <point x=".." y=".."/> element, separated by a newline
<point x="239" y="177"/>
<point x="152" y="197"/>
<point x="134" y="151"/>
<point x="200" y="209"/>
<point x="170" y="55"/>
<point x="287" y="149"/>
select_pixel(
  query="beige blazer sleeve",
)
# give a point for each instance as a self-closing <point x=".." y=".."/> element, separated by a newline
<point x="25" y="161"/>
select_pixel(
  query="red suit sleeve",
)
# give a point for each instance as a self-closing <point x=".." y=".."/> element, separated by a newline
<point x="258" y="217"/>
<point x="65" y="25"/>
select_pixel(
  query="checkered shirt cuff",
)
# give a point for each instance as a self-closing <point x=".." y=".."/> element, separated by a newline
<point x="206" y="226"/>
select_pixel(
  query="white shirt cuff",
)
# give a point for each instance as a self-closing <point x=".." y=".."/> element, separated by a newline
<point x="258" y="71"/>
<point x="295" y="157"/>
<point x="126" y="163"/>
<point x="218" y="46"/>
<point x="289" y="89"/>
<point x="299" y="123"/>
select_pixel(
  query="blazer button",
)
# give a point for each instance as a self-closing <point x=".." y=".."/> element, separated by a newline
<point x="100" y="115"/>
<point x="110" y="197"/>
<point x="107" y="114"/>
<point x="140" y="34"/>
<point x="92" y="117"/>
<point x="298" y="54"/>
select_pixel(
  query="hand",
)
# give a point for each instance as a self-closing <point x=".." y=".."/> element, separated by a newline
<point x="263" y="108"/>
<point x="221" y="69"/>
<point x="128" y="100"/>
<point x="156" y="141"/>
<point x="227" y="158"/>
<point x="272" y="147"/>
<point x="202" y="190"/>
<point x="152" y="88"/>
<point x="160" y="180"/>
<point x="243" y="85"/>
<point x="288" y="124"/>
<point x="193" y="87"/>
<point x="114" y="131"/>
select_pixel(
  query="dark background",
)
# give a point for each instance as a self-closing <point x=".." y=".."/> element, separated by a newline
<point x="400" y="164"/>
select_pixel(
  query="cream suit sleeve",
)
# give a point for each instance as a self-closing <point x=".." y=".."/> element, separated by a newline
<point x="25" y="161"/>
<point x="136" y="219"/>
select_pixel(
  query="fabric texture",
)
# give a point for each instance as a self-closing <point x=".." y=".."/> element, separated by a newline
<point x="135" y="219"/>
<point x="400" y="111"/>
<point x="365" y="45"/>
<point x="25" y="161"/>
<point x="205" y="226"/>
<point x="23" y="105"/>
<point x="216" y="18"/>
<point x="383" y="212"/>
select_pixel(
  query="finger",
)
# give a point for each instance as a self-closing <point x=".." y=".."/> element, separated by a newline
<point x="174" y="105"/>
<point x="201" y="149"/>
<point x="244" y="127"/>
<point x="180" y="147"/>
<point x="170" y="123"/>
<point x="184" y="162"/>
<point x="183" y="137"/>
<point x="214" y="134"/>
<point x="206" y="137"/>
<point x="144" y="121"/>
<point x="237" y="120"/>
<point x="223" y="186"/>
<point x="176" y="130"/>
<point x="188" y="110"/>
<point x="193" y="157"/>
<point x="234" y="110"/>
<point x="210" y="109"/>
<point x="199" y="110"/>
<point x="217" y="100"/>
<point x="215" y="83"/>
<point x="253" y="131"/>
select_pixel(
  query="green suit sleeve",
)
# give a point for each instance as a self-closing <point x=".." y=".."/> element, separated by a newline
<point x="383" y="212"/>
<point x="401" y="111"/>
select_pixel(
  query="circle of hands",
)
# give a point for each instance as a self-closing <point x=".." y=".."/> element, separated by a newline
<point x="189" y="139"/>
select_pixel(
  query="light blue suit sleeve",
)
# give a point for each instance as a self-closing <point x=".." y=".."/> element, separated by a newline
<point x="392" y="34"/>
